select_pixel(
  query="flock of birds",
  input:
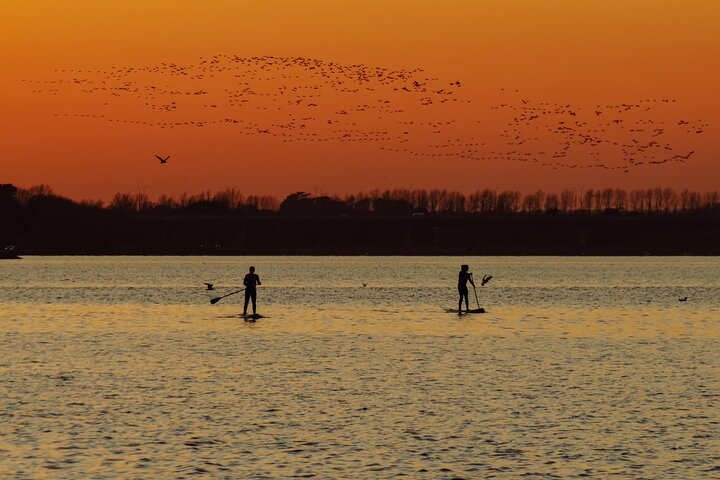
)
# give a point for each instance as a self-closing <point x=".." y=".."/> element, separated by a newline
<point x="403" y="112"/>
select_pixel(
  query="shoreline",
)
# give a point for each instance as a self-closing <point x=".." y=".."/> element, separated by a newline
<point x="352" y="255"/>
<point x="378" y="236"/>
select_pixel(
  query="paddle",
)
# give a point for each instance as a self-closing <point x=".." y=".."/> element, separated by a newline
<point x="475" y="290"/>
<point x="217" y="299"/>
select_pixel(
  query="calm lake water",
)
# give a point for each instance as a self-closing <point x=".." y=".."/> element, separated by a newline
<point x="119" y="367"/>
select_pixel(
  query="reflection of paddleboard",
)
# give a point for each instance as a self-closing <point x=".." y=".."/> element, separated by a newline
<point x="475" y="310"/>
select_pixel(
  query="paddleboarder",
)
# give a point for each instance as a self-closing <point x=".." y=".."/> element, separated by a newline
<point x="463" y="277"/>
<point x="250" y="281"/>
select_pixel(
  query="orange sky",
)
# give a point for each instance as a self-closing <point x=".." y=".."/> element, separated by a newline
<point x="566" y="59"/>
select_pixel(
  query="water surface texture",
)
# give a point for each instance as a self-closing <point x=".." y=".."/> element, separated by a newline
<point x="119" y="367"/>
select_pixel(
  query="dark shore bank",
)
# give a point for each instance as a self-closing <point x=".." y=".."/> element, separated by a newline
<point x="370" y="235"/>
<point x="398" y="222"/>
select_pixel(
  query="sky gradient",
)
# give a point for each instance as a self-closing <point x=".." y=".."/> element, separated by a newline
<point x="622" y="95"/>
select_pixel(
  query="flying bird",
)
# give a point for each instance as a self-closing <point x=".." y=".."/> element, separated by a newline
<point x="162" y="160"/>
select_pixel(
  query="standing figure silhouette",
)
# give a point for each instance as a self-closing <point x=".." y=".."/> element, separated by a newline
<point x="251" y="281"/>
<point x="463" y="277"/>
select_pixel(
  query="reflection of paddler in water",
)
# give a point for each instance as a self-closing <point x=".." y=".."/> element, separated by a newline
<point x="250" y="281"/>
<point x="463" y="278"/>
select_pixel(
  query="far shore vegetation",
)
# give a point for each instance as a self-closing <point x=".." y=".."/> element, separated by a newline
<point x="399" y="201"/>
<point x="611" y="221"/>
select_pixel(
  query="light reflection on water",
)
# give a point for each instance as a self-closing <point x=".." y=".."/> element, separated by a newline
<point x="118" y="367"/>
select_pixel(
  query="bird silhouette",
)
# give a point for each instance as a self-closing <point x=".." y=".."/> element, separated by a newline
<point x="162" y="160"/>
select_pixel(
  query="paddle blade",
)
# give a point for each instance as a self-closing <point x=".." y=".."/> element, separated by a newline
<point x="213" y="301"/>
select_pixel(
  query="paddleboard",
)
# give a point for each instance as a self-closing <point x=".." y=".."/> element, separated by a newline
<point x="248" y="317"/>
<point x="462" y="312"/>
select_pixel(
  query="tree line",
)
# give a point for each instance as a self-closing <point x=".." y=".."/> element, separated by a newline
<point x="399" y="201"/>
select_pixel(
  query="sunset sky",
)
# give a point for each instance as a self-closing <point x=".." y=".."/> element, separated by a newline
<point x="278" y="96"/>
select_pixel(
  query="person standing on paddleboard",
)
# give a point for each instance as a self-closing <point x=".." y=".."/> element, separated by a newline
<point x="463" y="278"/>
<point x="251" y="281"/>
